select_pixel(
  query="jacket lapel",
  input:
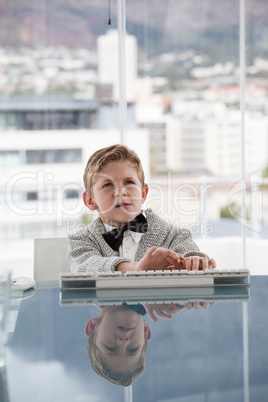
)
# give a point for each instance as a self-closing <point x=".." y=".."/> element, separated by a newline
<point x="97" y="229"/>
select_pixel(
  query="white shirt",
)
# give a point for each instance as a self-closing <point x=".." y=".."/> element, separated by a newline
<point x="129" y="244"/>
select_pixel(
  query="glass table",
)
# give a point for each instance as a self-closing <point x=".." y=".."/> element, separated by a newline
<point x="206" y="352"/>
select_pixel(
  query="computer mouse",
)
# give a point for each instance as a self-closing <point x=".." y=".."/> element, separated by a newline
<point x="22" y="283"/>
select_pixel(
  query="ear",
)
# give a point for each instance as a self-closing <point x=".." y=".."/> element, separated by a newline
<point x="147" y="331"/>
<point x="88" y="201"/>
<point x="91" y="326"/>
<point x="144" y="192"/>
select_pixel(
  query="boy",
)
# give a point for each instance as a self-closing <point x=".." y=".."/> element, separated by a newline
<point x="117" y="343"/>
<point x="118" y="339"/>
<point x="123" y="237"/>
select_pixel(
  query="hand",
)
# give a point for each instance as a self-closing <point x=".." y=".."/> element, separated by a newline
<point x="196" y="305"/>
<point x="192" y="263"/>
<point x="157" y="258"/>
<point x="165" y="311"/>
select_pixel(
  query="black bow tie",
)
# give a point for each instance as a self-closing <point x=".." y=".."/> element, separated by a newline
<point x="115" y="237"/>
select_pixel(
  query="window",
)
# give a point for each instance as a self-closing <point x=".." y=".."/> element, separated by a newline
<point x="32" y="196"/>
<point x="171" y="86"/>
<point x="8" y="158"/>
<point x="69" y="194"/>
<point x="53" y="156"/>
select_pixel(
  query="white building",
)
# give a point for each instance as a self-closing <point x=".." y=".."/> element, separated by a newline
<point x="108" y="62"/>
<point x="41" y="185"/>
<point x="211" y="142"/>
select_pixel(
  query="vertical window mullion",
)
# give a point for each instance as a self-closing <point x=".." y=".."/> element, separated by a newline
<point x="121" y="22"/>
<point x="242" y="109"/>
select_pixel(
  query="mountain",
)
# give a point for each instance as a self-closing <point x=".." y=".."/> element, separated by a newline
<point x="159" y="25"/>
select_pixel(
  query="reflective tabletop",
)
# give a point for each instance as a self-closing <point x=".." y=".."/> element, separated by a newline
<point x="208" y="350"/>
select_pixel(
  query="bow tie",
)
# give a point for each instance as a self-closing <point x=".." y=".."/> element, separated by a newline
<point x="115" y="237"/>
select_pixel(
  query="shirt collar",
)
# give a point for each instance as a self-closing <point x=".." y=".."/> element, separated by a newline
<point x="108" y="228"/>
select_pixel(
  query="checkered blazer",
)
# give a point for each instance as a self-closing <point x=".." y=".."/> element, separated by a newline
<point x="89" y="252"/>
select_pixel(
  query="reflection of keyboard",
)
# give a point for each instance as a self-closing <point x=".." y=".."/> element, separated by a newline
<point x="156" y="279"/>
<point x="103" y="297"/>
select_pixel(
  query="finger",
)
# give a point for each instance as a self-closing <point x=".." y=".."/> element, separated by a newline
<point x="189" y="305"/>
<point x="149" y="310"/>
<point x="162" y="314"/>
<point x="204" y="263"/>
<point x="170" y="259"/>
<point x="205" y="305"/>
<point x="196" y="305"/>
<point x="188" y="263"/>
<point x="212" y="263"/>
<point x="175" y="255"/>
<point x="169" y="268"/>
<point x="170" y="307"/>
<point x="152" y="316"/>
<point x="174" y="261"/>
<point x="183" y="264"/>
<point x="179" y="260"/>
<point x="195" y="265"/>
<point x="177" y="309"/>
<point x="159" y="251"/>
<point x="151" y="251"/>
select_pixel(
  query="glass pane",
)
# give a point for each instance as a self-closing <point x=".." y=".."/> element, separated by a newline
<point x="187" y="96"/>
<point x="187" y="70"/>
<point x="59" y="92"/>
<point x="52" y="99"/>
<point x="256" y="133"/>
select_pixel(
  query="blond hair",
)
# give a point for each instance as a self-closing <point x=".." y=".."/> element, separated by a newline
<point x="104" y="156"/>
<point x="102" y="369"/>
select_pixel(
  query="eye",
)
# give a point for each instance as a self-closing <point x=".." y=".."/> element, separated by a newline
<point x="130" y="182"/>
<point x="107" y="185"/>
<point x="110" y="349"/>
<point x="133" y="350"/>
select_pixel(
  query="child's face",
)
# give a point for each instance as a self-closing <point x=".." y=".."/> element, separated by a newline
<point x="117" y="194"/>
<point x="120" y="336"/>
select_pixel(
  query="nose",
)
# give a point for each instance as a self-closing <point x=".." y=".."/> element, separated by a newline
<point x="123" y="337"/>
<point x="120" y="189"/>
<point x="123" y="334"/>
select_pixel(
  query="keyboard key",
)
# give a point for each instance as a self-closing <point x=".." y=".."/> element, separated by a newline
<point x="208" y="271"/>
<point x="142" y="273"/>
<point x="117" y="273"/>
<point x="132" y="273"/>
<point x="244" y="271"/>
<point x="167" y="272"/>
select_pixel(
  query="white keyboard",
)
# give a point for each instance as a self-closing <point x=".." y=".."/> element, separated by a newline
<point x="156" y="279"/>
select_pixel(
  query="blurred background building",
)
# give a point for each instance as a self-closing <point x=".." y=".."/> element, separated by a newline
<point x="202" y="138"/>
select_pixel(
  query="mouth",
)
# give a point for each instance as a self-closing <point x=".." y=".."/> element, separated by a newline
<point x="122" y="204"/>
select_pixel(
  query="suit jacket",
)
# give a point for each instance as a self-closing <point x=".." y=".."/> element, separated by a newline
<point x="89" y="252"/>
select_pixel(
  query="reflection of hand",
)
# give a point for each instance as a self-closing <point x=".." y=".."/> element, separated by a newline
<point x="165" y="311"/>
<point x="196" y="305"/>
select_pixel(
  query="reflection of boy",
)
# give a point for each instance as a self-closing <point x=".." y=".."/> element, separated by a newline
<point x="117" y="343"/>
<point x="114" y="182"/>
